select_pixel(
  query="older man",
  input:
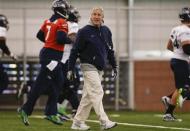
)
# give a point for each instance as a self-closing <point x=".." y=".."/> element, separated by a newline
<point x="93" y="46"/>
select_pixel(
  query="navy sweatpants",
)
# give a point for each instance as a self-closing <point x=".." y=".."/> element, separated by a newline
<point x="70" y="88"/>
<point x="50" y="83"/>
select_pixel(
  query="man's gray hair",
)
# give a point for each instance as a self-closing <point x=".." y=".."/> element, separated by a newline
<point x="98" y="8"/>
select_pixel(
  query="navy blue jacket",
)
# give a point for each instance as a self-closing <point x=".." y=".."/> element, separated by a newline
<point x="93" y="46"/>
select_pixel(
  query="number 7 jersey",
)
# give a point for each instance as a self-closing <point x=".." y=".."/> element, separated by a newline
<point x="178" y="35"/>
<point x="50" y="29"/>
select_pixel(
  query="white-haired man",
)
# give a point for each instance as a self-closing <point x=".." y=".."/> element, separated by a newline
<point x="93" y="46"/>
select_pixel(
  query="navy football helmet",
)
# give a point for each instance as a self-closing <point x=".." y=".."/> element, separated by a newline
<point x="184" y="15"/>
<point x="61" y="7"/>
<point x="74" y="15"/>
<point x="4" y="21"/>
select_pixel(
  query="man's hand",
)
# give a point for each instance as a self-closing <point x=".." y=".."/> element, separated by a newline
<point x="114" y="73"/>
<point x="70" y="75"/>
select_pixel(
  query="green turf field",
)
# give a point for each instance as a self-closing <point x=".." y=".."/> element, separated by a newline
<point x="127" y="121"/>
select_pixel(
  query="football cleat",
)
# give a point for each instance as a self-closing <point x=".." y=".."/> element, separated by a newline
<point x="64" y="117"/>
<point x="54" y="119"/>
<point x="62" y="110"/>
<point x="168" y="117"/>
<point x="23" y="116"/>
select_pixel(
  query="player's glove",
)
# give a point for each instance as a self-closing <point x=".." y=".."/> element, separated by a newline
<point x="70" y="75"/>
<point x="114" y="73"/>
<point x="14" y="57"/>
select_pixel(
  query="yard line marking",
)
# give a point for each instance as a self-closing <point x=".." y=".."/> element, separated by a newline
<point x="114" y="115"/>
<point x="37" y="116"/>
<point x="158" y="115"/>
<point x="129" y="124"/>
<point x="149" y="126"/>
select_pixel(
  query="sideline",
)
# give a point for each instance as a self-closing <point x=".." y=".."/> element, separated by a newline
<point x="130" y="124"/>
<point x="148" y="126"/>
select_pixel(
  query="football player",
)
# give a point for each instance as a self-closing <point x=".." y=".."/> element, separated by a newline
<point x="179" y="44"/>
<point x="4" y="26"/>
<point x="50" y="79"/>
<point x="70" y="89"/>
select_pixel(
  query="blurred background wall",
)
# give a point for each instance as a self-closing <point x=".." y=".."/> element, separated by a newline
<point x="140" y="31"/>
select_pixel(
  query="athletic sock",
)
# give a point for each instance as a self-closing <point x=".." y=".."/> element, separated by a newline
<point x="170" y="109"/>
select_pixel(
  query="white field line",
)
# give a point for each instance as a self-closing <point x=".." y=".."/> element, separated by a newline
<point x="148" y="126"/>
<point x="130" y="124"/>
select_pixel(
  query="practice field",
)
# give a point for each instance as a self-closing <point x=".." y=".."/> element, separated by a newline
<point x="127" y="121"/>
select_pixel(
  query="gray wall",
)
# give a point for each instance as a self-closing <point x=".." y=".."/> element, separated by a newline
<point x="26" y="18"/>
<point x="152" y="22"/>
